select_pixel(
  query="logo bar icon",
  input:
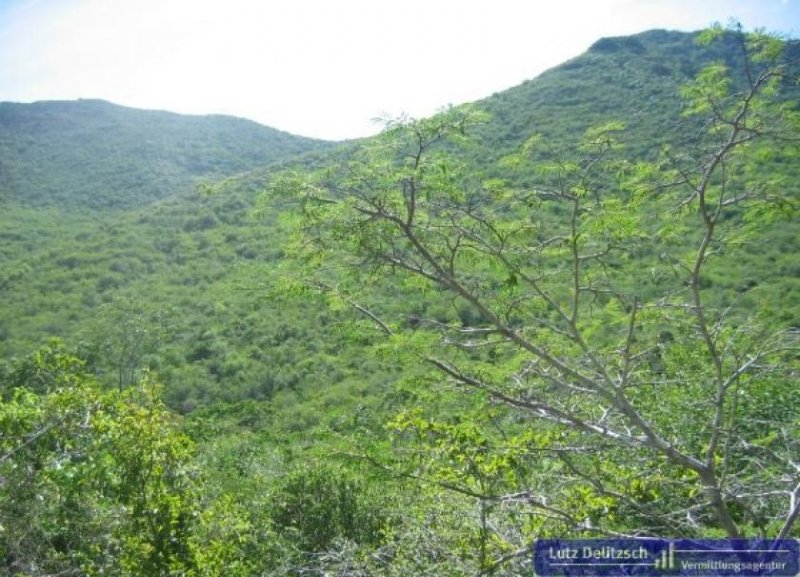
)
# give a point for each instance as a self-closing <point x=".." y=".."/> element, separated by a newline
<point x="667" y="559"/>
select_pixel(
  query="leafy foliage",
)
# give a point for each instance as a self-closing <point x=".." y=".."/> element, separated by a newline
<point x="92" y="481"/>
<point x="436" y="356"/>
<point x="590" y="311"/>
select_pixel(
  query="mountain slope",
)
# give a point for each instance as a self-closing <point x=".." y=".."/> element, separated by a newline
<point x="92" y="154"/>
<point x="294" y="396"/>
<point x="193" y="254"/>
<point x="633" y="79"/>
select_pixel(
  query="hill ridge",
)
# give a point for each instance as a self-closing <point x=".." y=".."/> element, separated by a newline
<point x="128" y="157"/>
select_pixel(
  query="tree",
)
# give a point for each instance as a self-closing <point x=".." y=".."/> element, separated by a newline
<point x="121" y="337"/>
<point x="647" y="400"/>
<point x="92" y="481"/>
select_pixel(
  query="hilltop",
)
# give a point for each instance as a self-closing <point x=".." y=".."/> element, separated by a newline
<point x="92" y="154"/>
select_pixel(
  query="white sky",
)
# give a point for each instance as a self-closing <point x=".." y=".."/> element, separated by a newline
<point x="322" y="68"/>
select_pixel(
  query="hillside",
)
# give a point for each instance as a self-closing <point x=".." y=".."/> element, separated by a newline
<point x="634" y="79"/>
<point x="414" y="354"/>
<point x="91" y="154"/>
<point x="189" y="253"/>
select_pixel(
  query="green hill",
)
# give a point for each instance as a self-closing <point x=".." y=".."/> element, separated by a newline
<point x="572" y="343"/>
<point x="200" y="255"/>
<point x="91" y="154"/>
<point x="634" y="79"/>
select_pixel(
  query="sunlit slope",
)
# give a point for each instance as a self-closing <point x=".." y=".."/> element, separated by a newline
<point x="206" y="260"/>
<point x="94" y="155"/>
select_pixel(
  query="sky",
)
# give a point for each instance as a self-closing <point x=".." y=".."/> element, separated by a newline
<point x="321" y="68"/>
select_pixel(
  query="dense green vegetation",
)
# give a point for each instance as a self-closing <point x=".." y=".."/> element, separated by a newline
<point x="91" y="154"/>
<point x="569" y="309"/>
